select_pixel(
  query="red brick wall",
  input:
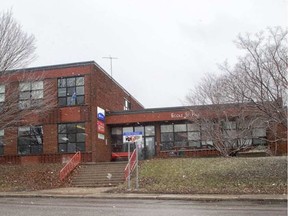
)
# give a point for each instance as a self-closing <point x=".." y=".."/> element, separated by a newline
<point x="50" y="136"/>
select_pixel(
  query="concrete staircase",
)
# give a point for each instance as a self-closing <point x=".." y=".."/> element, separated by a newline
<point x="106" y="174"/>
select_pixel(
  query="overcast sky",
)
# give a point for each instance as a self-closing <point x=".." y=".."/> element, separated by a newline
<point x="163" y="46"/>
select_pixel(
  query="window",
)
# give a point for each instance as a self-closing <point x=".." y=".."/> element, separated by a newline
<point x="71" y="91"/>
<point x="30" y="140"/>
<point x="2" y="96"/>
<point x="127" y="104"/>
<point x="118" y="144"/>
<point x="1" y="142"/>
<point x="71" y="137"/>
<point x="259" y="135"/>
<point x="167" y="137"/>
<point x="2" y="93"/>
<point x="194" y="135"/>
<point x="182" y="136"/>
<point x="31" y="94"/>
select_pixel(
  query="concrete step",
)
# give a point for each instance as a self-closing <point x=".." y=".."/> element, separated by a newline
<point x="95" y="174"/>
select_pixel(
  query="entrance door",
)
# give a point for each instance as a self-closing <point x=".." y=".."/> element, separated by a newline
<point x="149" y="147"/>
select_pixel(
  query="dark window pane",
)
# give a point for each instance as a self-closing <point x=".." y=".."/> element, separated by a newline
<point x="71" y="147"/>
<point x="71" y="128"/>
<point x="62" y="148"/>
<point x="71" y="137"/>
<point x="80" y="137"/>
<point x="80" y="100"/>
<point x="116" y="139"/>
<point x="117" y="130"/>
<point x="167" y="137"/>
<point x="71" y="91"/>
<point x="23" y="149"/>
<point x="80" y="147"/>
<point x="180" y="136"/>
<point x="62" y="101"/>
<point x="181" y="143"/>
<point x="37" y="149"/>
<point x="167" y="146"/>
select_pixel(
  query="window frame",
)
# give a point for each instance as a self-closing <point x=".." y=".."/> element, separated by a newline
<point x="71" y="91"/>
<point x="71" y="131"/>
<point x="32" y="140"/>
<point x="31" y="95"/>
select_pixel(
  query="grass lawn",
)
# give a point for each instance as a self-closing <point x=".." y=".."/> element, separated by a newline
<point x="260" y="175"/>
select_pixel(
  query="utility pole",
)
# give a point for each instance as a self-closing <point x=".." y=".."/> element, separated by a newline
<point x="111" y="58"/>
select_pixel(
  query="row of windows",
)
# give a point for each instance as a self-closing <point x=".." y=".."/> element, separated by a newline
<point x="71" y="91"/>
<point x="71" y="138"/>
<point x="197" y="136"/>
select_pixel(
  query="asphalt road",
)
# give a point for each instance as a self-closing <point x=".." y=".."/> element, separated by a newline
<point x="109" y="207"/>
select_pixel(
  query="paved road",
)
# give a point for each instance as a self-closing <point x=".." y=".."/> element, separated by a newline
<point x="109" y="207"/>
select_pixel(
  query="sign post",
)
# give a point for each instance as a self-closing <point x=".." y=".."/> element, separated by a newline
<point x="132" y="137"/>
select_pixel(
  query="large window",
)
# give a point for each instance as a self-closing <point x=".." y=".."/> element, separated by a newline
<point x="71" y="91"/>
<point x="1" y="142"/>
<point x="182" y="136"/>
<point x="31" y="94"/>
<point x="71" y="137"/>
<point x="30" y="140"/>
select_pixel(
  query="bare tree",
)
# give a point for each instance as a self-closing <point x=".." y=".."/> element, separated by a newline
<point x="258" y="83"/>
<point x="17" y="48"/>
<point x="260" y="76"/>
<point x="228" y="123"/>
<point x="26" y="98"/>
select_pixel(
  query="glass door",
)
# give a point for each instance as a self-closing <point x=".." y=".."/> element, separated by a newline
<point x="149" y="147"/>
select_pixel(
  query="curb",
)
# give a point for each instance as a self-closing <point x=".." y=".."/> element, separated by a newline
<point x="198" y="197"/>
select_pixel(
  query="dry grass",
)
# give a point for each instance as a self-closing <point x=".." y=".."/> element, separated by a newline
<point x="29" y="177"/>
<point x="265" y="175"/>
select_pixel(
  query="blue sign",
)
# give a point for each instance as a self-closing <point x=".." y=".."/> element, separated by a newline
<point x="139" y="133"/>
<point x="100" y="114"/>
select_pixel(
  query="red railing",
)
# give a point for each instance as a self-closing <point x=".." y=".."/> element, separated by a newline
<point x="132" y="162"/>
<point x="70" y="166"/>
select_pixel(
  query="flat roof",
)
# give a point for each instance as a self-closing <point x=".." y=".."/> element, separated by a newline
<point x="170" y="109"/>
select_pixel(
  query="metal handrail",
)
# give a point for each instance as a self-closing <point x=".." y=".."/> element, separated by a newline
<point x="70" y="166"/>
<point x="131" y="163"/>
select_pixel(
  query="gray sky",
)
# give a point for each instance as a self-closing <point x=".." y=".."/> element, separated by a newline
<point x="163" y="46"/>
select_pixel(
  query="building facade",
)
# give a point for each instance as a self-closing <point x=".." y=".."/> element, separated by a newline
<point x="55" y="111"/>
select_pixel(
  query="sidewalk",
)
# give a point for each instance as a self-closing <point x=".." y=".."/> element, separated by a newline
<point x="102" y="193"/>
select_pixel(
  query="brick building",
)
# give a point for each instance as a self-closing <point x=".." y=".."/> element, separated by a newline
<point x="82" y="108"/>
